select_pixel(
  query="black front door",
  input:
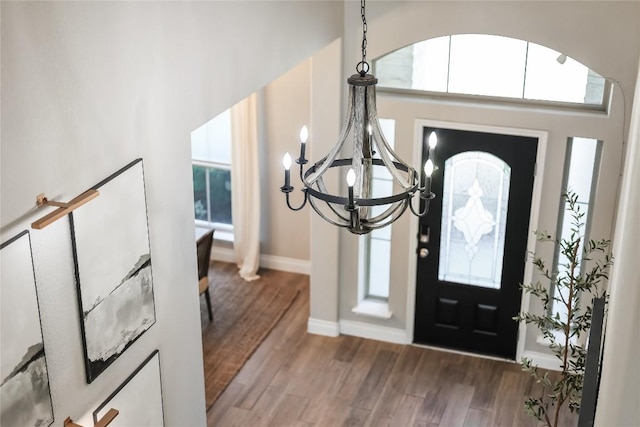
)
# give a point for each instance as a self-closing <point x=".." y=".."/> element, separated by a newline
<point x="473" y="242"/>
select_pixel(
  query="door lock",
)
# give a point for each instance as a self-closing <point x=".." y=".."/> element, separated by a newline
<point x="424" y="252"/>
<point x="425" y="234"/>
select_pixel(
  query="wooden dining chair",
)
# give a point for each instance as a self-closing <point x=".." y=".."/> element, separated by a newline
<point x="203" y="245"/>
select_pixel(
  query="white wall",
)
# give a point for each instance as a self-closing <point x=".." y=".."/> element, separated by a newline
<point x="284" y="106"/>
<point x="603" y="35"/>
<point x="287" y="102"/>
<point x="325" y="252"/>
<point x="619" y="392"/>
<point x="87" y="87"/>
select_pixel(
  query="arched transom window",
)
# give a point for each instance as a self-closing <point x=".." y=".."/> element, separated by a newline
<point x="479" y="64"/>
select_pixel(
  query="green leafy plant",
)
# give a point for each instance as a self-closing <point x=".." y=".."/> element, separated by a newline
<point x="569" y="290"/>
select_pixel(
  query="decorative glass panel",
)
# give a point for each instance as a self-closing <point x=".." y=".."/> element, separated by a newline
<point x="474" y="215"/>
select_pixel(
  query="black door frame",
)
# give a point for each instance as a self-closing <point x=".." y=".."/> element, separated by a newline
<point x="536" y="200"/>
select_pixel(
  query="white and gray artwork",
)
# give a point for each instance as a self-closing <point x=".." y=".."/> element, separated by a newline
<point x="113" y="268"/>
<point x="25" y="399"/>
<point x="139" y="399"/>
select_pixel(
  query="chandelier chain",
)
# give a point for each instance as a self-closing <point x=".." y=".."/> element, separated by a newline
<point x="363" y="66"/>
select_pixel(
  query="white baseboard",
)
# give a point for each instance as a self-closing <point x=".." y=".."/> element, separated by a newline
<point x="273" y="262"/>
<point x="323" y="327"/>
<point x="292" y="265"/>
<point x="374" y="332"/>
<point x="357" y="329"/>
<point x="542" y="360"/>
<point x="219" y="253"/>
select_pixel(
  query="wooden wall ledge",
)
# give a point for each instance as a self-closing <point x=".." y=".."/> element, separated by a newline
<point x="63" y="208"/>
<point x="104" y="422"/>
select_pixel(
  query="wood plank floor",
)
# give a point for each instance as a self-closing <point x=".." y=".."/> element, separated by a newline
<point x="298" y="379"/>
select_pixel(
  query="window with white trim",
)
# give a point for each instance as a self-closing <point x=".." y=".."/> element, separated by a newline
<point x="211" y="166"/>
<point x="582" y="164"/>
<point x="488" y="65"/>
<point x="375" y="247"/>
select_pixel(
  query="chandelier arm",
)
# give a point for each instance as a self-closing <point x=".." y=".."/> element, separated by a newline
<point x="384" y="151"/>
<point x="381" y="140"/>
<point x="397" y="214"/>
<point x="381" y="143"/>
<point x="427" y="200"/>
<point x="325" y="217"/>
<point x="326" y="162"/>
<point x="380" y="221"/>
<point x="323" y="188"/>
<point x="387" y="212"/>
<point x="304" y="201"/>
<point x="384" y="148"/>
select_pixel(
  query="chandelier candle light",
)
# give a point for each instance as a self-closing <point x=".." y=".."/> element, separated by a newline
<point x="360" y="212"/>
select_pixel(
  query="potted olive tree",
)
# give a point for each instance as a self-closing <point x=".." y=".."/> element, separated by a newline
<point x="566" y="294"/>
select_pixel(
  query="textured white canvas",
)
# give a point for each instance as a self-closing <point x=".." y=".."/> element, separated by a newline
<point x="111" y="235"/>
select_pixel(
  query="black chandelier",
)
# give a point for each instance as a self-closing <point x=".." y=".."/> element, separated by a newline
<point x="360" y="212"/>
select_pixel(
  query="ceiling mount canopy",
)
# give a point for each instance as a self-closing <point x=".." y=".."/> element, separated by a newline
<point x="361" y="211"/>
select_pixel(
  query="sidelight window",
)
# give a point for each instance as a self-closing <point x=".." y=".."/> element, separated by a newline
<point x="375" y="247"/>
<point x="582" y="163"/>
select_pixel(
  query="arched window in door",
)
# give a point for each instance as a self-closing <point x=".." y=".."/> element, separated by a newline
<point x="474" y="214"/>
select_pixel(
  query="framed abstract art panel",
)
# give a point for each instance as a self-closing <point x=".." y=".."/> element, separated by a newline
<point x="25" y="398"/>
<point x="113" y="268"/>
<point x="138" y="399"/>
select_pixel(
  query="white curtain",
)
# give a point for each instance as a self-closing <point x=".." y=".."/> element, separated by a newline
<point x="245" y="186"/>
